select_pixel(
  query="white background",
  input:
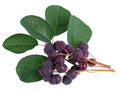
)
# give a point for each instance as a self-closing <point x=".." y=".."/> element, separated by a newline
<point x="103" y="16"/>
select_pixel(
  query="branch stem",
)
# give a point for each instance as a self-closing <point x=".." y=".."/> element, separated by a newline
<point x="97" y="63"/>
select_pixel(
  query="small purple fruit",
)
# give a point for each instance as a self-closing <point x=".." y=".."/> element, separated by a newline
<point x="59" y="59"/>
<point x="82" y="65"/>
<point x="66" y="80"/>
<point x="59" y="45"/>
<point x="68" y="49"/>
<point x="61" y="68"/>
<point x="55" y="79"/>
<point x="83" y="45"/>
<point x="71" y="74"/>
<point x="77" y="54"/>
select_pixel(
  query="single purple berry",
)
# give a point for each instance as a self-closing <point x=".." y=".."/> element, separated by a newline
<point x="82" y="65"/>
<point x="72" y="60"/>
<point x="61" y="68"/>
<point x="77" y="54"/>
<point x="48" y="48"/>
<point x="46" y="71"/>
<point x="71" y="74"/>
<point x="48" y="64"/>
<point x="52" y="54"/>
<point x="47" y="78"/>
<point x="75" y="67"/>
<point x="66" y="80"/>
<point x="85" y="53"/>
<point x="59" y="59"/>
<point x="59" y="45"/>
<point x="55" y="79"/>
<point x="83" y="45"/>
<point x="68" y="49"/>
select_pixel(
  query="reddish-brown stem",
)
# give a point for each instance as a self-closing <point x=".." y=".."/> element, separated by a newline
<point x="96" y="70"/>
<point x="94" y="62"/>
<point x="97" y="63"/>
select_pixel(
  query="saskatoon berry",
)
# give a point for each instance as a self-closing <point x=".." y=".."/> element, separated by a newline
<point x="85" y="53"/>
<point x="55" y="79"/>
<point x="59" y="45"/>
<point x="66" y="80"/>
<point x="71" y="74"/>
<point x="46" y="78"/>
<point x="48" y="48"/>
<point x="52" y="54"/>
<point x="83" y="45"/>
<point x="77" y="54"/>
<point x="82" y="65"/>
<point x="75" y="67"/>
<point x="61" y="68"/>
<point x="72" y="60"/>
<point x="68" y="49"/>
<point x="48" y="63"/>
<point x="59" y="59"/>
<point x="46" y="71"/>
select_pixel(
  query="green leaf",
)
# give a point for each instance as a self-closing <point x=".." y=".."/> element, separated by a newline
<point x="37" y="27"/>
<point x="78" y="31"/>
<point x="58" y="18"/>
<point x="19" y="43"/>
<point x="28" y="68"/>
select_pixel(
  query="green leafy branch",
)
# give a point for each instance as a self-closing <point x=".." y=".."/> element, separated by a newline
<point x="57" y="21"/>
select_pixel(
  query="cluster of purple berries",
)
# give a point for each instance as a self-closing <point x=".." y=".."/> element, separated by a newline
<point x="58" y="53"/>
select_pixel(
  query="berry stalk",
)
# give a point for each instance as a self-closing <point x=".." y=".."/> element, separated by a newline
<point x="96" y="70"/>
<point x="97" y="63"/>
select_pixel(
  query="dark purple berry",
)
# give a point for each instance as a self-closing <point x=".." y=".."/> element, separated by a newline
<point x="82" y="65"/>
<point x="46" y="71"/>
<point x="72" y="60"/>
<point x="61" y="68"/>
<point x="46" y="78"/>
<point x="55" y="79"/>
<point x="59" y="45"/>
<point x="83" y="45"/>
<point x="48" y="48"/>
<point x="75" y="67"/>
<point x="71" y="74"/>
<point x="59" y="59"/>
<point x="77" y="54"/>
<point x="66" y="80"/>
<point x="68" y="49"/>
<point x="85" y="53"/>
<point x="48" y="64"/>
<point x="52" y="54"/>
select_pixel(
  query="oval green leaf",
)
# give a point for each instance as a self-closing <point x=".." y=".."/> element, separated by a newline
<point x="28" y="68"/>
<point x="78" y="31"/>
<point x="58" y="18"/>
<point x="37" y="27"/>
<point x="19" y="43"/>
